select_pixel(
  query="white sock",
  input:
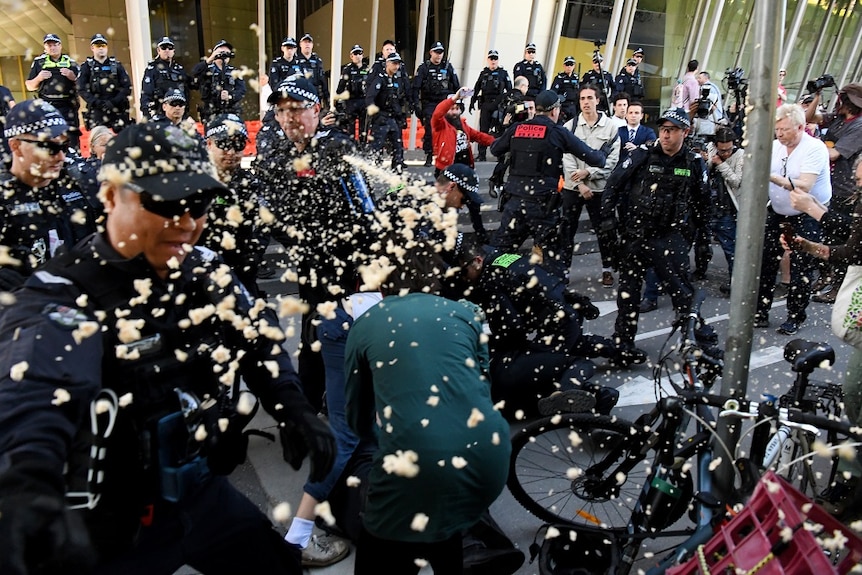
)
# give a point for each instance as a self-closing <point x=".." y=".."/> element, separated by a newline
<point x="299" y="532"/>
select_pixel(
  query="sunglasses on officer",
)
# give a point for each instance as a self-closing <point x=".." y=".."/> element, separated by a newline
<point x="234" y="144"/>
<point x="176" y="103"/>
<point x="53" y="148"/>
<point x="196" y="205"/>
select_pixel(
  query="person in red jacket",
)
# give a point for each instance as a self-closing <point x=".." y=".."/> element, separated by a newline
<point x="452" y="136"/>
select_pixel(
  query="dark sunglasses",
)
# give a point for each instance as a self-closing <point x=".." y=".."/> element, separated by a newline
<point x="176" y="104"/>
<point x="531" y="51"/>
<point x="196" y="205"/>
<point x="235" y="144"/>
<point x="493" y="57"/>
<point x="53" y="148"/>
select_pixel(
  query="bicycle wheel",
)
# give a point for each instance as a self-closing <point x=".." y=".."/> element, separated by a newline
<point x="567" y="471"/>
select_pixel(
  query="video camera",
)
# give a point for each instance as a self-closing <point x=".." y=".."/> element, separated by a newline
<point x="824" y="81"/>
<point x="735" y="78"/>
<point x="704" y="104"/>
<point x="224" y="55"/>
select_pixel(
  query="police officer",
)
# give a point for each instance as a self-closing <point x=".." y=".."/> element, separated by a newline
<point x="435" y="79"/>
<point x="53" y="77"/>
<point x="148" y="421"/>
<point x="235" y="229"/>
<point x="532" y="70"/>
<point x="105" y="86"/>
<point x="172" y="108"/>
<point x="638" y="56"/>
<point x="40" y="208"/>
<point x="566" y="85"/>
<point x="162" y="74"/>
<point x="285" y="66"/>
<point x="222" y="89"/>
<point x="491" y="88"/>
<point x="602" y="79"/>
<point x="536" y="148"/>
<point x="313" y="66"/>
<point x="627" y="82"/>
<point x="665" y="193"/>
<point x="388" y="92"/>
<point x="537" y="341"/>
<point x="353" y="82"/>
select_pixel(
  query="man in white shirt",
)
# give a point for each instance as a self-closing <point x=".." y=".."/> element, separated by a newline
<point x="583" y="184"/>
<point x="799" y="162"/>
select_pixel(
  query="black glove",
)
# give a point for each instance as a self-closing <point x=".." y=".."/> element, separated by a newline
<point x="581" y="303"/>
<point x="37" y="533"/>
<point x="608" y="146"/>
<point x="702" y="257"/>
<point x="472" y="105"/>
<point x="311" y="436"/>
<point x="609" y="224"/>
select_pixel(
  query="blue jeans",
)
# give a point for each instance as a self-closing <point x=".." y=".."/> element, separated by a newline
<point x="332" y="334"/>
<point x="724" y="229"/>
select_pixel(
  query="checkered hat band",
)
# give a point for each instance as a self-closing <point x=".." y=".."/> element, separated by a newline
<point x="460" y="181"/>
<point x="223" y="129"/>
<point x="295" y="92"/>
<point x="33" y="127"/>
<point x="163" y="166"/>
<point x="674" y="117"/>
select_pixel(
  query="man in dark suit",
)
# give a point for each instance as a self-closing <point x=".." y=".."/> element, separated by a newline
<point x="633" y="134"/>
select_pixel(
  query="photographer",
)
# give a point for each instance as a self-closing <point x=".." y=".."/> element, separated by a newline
<point x="221" y="87"/>
<point x="710" y="110"/>
<point x="844" y="140"/>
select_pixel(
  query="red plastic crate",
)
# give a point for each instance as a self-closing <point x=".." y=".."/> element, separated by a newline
<point x="746" y="541"/>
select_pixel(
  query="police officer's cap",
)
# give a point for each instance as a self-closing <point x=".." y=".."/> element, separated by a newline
<point x="638" y="52"/>
<point x="295" y="88"/>
<point x="547" y="100"/>
<point x="308" y="37"/>
<point x="676" y="116"/>
<point x="161" y="159"/>
<point x="493" y="54"/>
<point x="226" y="126"/>
<point x="394" y="57"/>
<point x="569" y="60"/>
<point x="852" y="92"/>
<point x="357" y="49"/>
<point x="51" y="38"/>
<point x="223" y="44"/>
<point x="98" y="39"/>
<point x="631" y="62"/>
<point x="174" y="95"/>
<point x="288" y="41"/>
<point x="165" y="41"/>
<point x="35" y="117"/>
<point x="597" y="59"/>
<point x="466" y="180"/>
<point x="438" y="47"/>
<point x="530" y="46"/>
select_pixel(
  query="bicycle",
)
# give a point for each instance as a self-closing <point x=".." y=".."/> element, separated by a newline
<point x="631" y="481"/>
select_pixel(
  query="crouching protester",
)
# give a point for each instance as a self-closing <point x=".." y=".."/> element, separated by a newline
<point x="120" y="362"/>
<point x="539" y="351"/>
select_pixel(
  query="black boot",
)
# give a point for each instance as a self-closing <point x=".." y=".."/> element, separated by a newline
<point x="606" y="398"/>
<point x="428" y="160"/>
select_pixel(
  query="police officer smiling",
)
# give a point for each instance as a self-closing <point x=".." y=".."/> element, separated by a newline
<point x="118" y="402"/>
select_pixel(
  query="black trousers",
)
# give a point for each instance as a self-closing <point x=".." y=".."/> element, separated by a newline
<point x="486" y="121"/>
<point x="385" y="557"/>
<point x="669" y="256"/>
<point x="218" y="531"/>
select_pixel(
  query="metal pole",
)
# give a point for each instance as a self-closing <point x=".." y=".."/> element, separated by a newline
<point x="375" y="14"/>
<point x="625" y="35"/>
<point x="461" y="70"/>
<point x="854" y="50"/>
<point x="821" y="37"/>
<point x="700" y="22"/>
<point x="716" y="18"/>
<point x="556" y="32"/>
<point x="838" y="37"/>
<point x="750" y="224"/>
<point x="687" y="47"/>
<point x="798" y="15"/>
<point x="534" y="15"/>
<point x="493" y="24"/>
<point x="744" y="42"/>
<point x="262" y="68"/>
<point x="337" y="29"/>
<point x="613" y="29"/>
<point x="291" y="18"/>
<point x="140" y="45"/>
<point x="420" y="52"/>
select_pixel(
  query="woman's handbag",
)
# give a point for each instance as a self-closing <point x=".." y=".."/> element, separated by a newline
<point x="847" y="309"/>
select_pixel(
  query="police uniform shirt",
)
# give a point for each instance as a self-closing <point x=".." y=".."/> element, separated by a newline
<point x="57" y="88"/>
<point x="211" y="80"/>
<point x="159" y="77"/>
<point x="389" y="94"/>
<point x="567" y="86"/>
<point x="282" y="69"/>
<point x="534" y="73"/>
<point x="433" y="82"/>
<point x="627" y="83"/>
<point x="353" y="80"/>
<point x="105" y="81"/>
<point x="313" y="66"/>
<point x="34" y="222"/>
<point x="492" y="85"/>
